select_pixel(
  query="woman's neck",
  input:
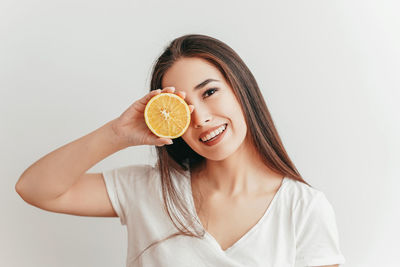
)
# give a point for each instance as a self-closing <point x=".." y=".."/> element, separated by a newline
<point x="241" y="174"/>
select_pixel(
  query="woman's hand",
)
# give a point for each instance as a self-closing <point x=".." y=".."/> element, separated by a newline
<point x="131" y="125"/>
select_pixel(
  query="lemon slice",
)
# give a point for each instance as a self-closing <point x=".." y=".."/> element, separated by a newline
<point x="167" y="115"/>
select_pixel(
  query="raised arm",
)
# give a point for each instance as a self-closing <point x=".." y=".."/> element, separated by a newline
<point x="58" y="181"/>
<point x="56" y="172"/>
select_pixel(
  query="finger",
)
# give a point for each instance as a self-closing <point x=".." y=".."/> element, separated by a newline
<point x="191" y="107"/>
<point x="147" y="97"/>
<point x="164" y="141"/>
<point x="169" y="89"/>
<point x="182" y="94"/>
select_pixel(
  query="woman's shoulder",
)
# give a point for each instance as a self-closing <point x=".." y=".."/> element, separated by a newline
<point x="299" y="193"/>
<point x="146" y="175"/>
<point x="133" y="170"/>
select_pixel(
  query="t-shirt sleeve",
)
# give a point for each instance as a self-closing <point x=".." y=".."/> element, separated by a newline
<point x="317" y="239"/>
<point x="122" y="185"/>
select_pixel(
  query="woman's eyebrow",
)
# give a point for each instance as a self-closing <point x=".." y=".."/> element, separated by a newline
<point x="204" y="83"/>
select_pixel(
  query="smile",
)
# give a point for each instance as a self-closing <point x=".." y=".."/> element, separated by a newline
<point x="214" y="136"/>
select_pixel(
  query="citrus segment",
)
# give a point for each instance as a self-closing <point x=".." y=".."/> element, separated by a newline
<point x="167" y="115"/>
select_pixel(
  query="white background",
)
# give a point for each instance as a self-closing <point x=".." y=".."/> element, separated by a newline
<point x="329" y="72"/>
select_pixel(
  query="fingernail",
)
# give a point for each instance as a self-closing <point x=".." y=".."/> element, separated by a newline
<point x="170" y="142"/>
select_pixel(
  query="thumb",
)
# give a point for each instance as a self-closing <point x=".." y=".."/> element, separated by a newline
<point x="163" y="141"/>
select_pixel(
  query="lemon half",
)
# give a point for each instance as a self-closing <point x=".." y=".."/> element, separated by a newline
<point x="167" y="115"/>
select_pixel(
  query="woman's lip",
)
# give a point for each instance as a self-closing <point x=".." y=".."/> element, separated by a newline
<point x="204" y="134"/>
<point x="215" y="129"/>
<point x="216" y="139"/>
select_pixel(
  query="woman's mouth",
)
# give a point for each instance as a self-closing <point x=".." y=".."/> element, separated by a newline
<point x="214" y="137"/>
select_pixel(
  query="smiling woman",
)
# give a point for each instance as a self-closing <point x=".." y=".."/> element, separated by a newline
<point x="225" y="193"/>
<point x="227" y="184"/>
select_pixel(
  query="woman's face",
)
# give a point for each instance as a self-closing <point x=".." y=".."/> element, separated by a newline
<point x="214" y="103"/>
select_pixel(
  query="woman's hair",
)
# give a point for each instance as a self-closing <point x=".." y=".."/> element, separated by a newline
<point x="179" y="157"/>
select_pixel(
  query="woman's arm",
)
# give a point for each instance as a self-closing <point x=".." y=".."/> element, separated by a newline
<point x="56" y="172"/>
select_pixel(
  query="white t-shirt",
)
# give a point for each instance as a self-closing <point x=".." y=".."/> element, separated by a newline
<point x="298" y="229"/>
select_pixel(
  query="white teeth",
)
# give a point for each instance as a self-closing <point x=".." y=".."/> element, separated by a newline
<point x="214" y="133"/>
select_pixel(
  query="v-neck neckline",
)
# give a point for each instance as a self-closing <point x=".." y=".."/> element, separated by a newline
<point x="248" y="233"/>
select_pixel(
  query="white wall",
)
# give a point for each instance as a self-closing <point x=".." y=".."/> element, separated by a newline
<point x="329" y="71"/>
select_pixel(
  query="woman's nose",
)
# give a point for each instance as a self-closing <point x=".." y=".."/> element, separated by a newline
<point x="200" y="117"/>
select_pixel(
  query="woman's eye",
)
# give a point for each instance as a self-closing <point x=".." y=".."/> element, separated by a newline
<point x="210" y="90"/>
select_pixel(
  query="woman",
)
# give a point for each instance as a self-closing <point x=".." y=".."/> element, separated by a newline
<point x="223" y="194"/>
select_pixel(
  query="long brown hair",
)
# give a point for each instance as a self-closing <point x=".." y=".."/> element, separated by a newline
<point x="179" y="157"/>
